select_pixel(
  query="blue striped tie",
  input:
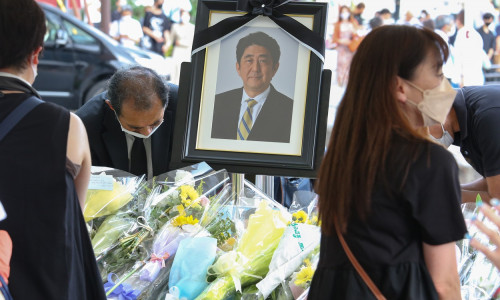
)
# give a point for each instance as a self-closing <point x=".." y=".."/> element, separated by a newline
<point x="246" y="122"/>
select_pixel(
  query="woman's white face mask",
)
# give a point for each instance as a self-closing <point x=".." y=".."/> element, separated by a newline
<point x="436" y="103"/>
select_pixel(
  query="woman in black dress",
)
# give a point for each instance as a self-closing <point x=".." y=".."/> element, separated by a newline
<point x="394" y="194"/>
<point x="44" y="172"/>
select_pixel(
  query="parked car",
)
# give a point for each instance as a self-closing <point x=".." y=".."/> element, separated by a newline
<point x="78" y="59"/>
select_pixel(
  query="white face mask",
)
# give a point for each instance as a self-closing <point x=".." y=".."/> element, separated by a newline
<point x="34" y="67"/>
<point x="345" y="15"/>
<point x="436" y="103"/>
<point x="446" y="140"/>
<point x="136" y="134"/>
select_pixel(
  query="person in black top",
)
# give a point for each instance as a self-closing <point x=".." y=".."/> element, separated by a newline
<point x="391" y="193"/>
<point x="156" y="28"/>
<point x="473" y="124"/>
<point x="44" y="173"/>
<point x="138" y="109"/>
<point x="489" y="39"/>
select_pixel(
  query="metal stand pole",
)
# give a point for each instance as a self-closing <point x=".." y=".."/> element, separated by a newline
<point x="265" y="184"/>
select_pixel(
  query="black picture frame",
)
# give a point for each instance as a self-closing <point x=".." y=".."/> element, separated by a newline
<point x="185" y="151"/>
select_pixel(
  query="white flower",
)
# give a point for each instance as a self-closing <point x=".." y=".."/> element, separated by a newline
<point x="183" y="177"/>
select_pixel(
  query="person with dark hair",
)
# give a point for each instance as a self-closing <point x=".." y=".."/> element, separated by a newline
<point x="386" y="16"/>
<point x="358" y="12"/>
<point x="130" y="126"/>
<point x="256" y="111"/>
<point x="489" y="39"/>
<point x="344" y="34"/>
<point x="44" y="173"/>
<point x="156" y="28"/>
<point x="385" y="189"/>
<point x="473" y="125"/>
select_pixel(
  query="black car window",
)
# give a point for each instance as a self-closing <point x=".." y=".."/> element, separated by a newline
<point x="53" y="24"/>
<point x="79" y="36"/>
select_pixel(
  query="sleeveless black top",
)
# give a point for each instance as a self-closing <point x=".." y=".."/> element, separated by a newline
<point x="52" y="255"/>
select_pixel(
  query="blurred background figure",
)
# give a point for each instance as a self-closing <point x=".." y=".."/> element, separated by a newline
<point x="126" y="30"/>
<point x="429" y="24"/>
<point x="156" y="28"/>
<point x="386" y="16"/>
<point x="409" y="19"/>
<point x="173" y="9"/>
<point x="343" y="35"/>
<point x="443" y="27"/>
<point x="470" y="58"/>
<point x="358" y="12"/>
<point x="489" y="39"/>
<point x="182" y="35"/>
<point x="116" y="14"/>
<point x="424" y="15"/>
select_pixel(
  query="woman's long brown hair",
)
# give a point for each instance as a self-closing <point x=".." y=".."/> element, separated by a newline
<point x="367" y="118"/>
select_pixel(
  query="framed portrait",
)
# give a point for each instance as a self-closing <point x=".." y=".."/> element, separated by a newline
<point x="255" y="100"/>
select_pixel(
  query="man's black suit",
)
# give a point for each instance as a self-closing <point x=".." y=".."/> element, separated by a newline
<point x="108" y="145"/>
<point x="272" y="124"/>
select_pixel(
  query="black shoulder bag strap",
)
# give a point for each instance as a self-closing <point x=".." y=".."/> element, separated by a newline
<point x="17" y="114"/>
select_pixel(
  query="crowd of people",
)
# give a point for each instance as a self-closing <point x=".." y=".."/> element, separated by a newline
<point x="472" y="50"/>
<point x="389" y="194"/>
<point x="166" y="30"/>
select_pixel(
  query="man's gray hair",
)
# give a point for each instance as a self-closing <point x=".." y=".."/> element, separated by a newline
<point x="442" y="21"/>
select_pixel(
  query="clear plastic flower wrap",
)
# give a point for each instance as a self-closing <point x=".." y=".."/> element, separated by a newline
<point x="108" y="193"/>
<point x="249" y="261"/>
<point x="183" y="205"/>
<point x="479" y="278"/>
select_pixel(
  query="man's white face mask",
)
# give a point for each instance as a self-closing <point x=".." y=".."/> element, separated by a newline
<point x="136" y="134"/>
<point x="446" y="140"/>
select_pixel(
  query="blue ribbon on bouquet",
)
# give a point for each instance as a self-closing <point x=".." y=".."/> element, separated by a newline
<point x="122" y="291"/>
<point x="254" y="8"/>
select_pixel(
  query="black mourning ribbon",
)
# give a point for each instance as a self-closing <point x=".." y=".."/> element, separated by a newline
<point x="269" y="8"/>
<point x="138" y="160"/>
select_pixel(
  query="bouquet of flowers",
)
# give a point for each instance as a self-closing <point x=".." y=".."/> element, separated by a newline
<point x="107" y="194"/>
<point x="183" y="206"/>
<point x="249" y="262"/>
<point x="479" y="278"/>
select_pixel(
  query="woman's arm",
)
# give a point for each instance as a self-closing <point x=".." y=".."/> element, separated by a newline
<point x="79" y="153"/>
<point x="442" y="265"/>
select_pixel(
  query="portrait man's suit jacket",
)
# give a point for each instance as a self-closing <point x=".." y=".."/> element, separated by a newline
<point x="272" y="124"/>
<point x="108" y="145"/>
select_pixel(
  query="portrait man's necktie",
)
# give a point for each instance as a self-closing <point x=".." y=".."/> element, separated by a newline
<point x="246" y="122"/>
<point x="138" y="161"/>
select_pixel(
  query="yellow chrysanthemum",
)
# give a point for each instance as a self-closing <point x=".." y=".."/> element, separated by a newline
<point x="304" y="277"/>
<point x="299" y="216"/>
<point x="188" y="195"/>
<point x="313" y="220"/>
<point x="183" y="220"/>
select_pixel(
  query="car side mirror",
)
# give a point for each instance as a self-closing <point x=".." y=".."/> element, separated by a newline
<point x="61" y="37"/>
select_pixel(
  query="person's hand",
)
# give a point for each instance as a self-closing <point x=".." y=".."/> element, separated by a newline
<point x="493" y="234"/>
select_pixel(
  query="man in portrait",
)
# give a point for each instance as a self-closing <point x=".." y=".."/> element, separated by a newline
<point x="256" y="111"/>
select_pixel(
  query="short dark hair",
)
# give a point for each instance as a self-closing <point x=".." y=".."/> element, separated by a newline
<point x="360" y="5"/>
<point x="22" y="30"/>
<point x="139" y="84"/>
<point x="261" y="39"/>
<point x="375" y="22"/>
<point x="487" y="16"/>
<point x="384" y="11"/>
